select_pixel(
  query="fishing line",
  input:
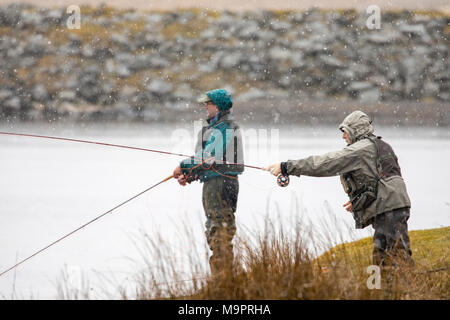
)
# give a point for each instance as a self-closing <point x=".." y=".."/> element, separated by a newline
<point x="84" y="225"/>
<point x="118" y="146"/>
<point x="126" y="201"/>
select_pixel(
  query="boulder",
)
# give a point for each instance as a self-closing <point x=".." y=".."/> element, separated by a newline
<point x="251" y="94"/>
<point x="159" y="87"/>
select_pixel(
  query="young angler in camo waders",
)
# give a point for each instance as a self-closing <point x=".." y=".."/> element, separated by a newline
<point x="371" y="176"/>
<point x="215" y="164"/>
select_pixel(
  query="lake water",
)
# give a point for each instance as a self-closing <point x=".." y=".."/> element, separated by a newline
<point x="49" y="188"/>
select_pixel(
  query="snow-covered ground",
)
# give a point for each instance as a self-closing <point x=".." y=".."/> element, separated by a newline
<point x="48" y="188"/>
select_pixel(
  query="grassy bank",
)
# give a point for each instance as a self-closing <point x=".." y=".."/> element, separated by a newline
<point x="279" y="264"/>
<point x="281" y="268"/>
<point x="283" y="259"/>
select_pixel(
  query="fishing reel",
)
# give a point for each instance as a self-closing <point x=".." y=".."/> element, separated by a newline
<point x="282" y="181"/>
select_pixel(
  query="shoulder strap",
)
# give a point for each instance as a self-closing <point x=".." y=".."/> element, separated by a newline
<point x="386" y="161"/>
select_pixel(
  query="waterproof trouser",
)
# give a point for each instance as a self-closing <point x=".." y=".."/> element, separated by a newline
<point x="219" y="202"/>
<point x="391" y="239"/>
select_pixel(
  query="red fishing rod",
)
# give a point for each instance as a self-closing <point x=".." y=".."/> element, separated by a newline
<point x="117" y="146"/>
<point x="281" y="181"/>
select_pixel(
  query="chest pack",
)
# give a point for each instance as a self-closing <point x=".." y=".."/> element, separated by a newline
<point x="363" y="189"/>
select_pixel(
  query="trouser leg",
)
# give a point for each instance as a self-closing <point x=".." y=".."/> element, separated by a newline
<point x="219" y="202"/>
<point x="391" y="239"/>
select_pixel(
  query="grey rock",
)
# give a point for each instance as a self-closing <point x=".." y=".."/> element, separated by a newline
<point x="177" y="106"/>
<point x="67" y="50"/>
<point x="278" y="53"/>
<point x="413" y="69"/>
<point x="430" y="89"/>
<point x="55" y="16"/>
<point x="230" y="60"/>
<point x="310" y="47"/>
<point x="67" y="95"/>
<point x="252" y="94"/>
<point x="159" y="87"/>
<point x="208" y="34"/>
<point x="157" y="61"/>
<point x="153" y="18"/>
<point x="320" y="53"/>
<point x="420" y="18"/>
<point x="206" y="68"/>
<point x="359" y="86"/>
<point x="121" y="39"/>
<point x="122" y="70"/>
<point x="127" y="91"/>
<point x="319" y="30"/>
<point x="30" y="19"/>
<point x="224" y="35"/>
<point x="417" y="30"/>
<point x="39" y="93"/>
<point x="132" y="16"/>
<point x="87" y="51"/>
<point x="124" y="58"/>
<point x="331" y="62"/>
<point x="371" y="95"/>
<point x="444" y="95"/>
<point x="285" y="81"/>
<point x="183" y="92"/>
<point x="248" y="30"/>
<point x="27" y="62"/>
<point x="359" y="70"/>
<point x="140" y="62"/>
<point x="280" y="26"/>
<point x="296" y="17"/>
<point x="345" y="75"/>
<point x="298" y="60"/>
<point x="149" y="40"/>
<point x="12" y="103"/>
<point x="37" y="45"/>
<point x="5" y="94"/>
<point x="9" y="16"/>
<point x="380" y="38"/>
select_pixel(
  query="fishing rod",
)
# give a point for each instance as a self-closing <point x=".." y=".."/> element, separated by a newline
<point x="282" y="180"/>
<point x="117" y="146"/>
<point x="84" y="225"/>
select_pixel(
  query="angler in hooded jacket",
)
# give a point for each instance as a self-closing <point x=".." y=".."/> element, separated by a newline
<point x="371" y="176"/>
<point x="217" y="162"/>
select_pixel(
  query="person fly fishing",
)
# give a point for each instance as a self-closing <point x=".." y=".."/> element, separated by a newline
<point x="217" y="162"/>
<point x="371" y="176"/>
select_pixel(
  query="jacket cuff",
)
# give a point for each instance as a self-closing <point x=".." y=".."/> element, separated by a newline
<point x="284" y="169"/>
<point x="186" y="164"/>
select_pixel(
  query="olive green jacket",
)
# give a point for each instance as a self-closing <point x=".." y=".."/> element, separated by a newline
<point x="359" y="157"/>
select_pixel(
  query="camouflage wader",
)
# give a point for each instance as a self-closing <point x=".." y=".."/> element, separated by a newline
<point x="219" y="202"/>
<point x="391" y="240"/>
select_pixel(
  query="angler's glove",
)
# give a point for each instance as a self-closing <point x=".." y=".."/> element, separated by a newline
<point x="190" y="178"/>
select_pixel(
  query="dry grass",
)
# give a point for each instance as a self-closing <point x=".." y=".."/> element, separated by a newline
<point x="278" y="263"/>
<point x="286" y="260"/>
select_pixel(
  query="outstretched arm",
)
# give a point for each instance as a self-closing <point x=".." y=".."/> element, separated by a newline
<point x="326" y="165"/>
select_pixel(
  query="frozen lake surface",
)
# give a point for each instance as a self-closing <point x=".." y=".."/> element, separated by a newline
<point x="48" y="188"/>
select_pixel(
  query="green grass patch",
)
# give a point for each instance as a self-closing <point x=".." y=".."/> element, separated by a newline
<point x="430" y="249"/>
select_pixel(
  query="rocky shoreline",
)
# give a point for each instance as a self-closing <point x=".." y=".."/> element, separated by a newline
<point x="151" y="66"/>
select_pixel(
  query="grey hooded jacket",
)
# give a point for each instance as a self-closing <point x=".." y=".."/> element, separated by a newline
<point x="359" y="157"/>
